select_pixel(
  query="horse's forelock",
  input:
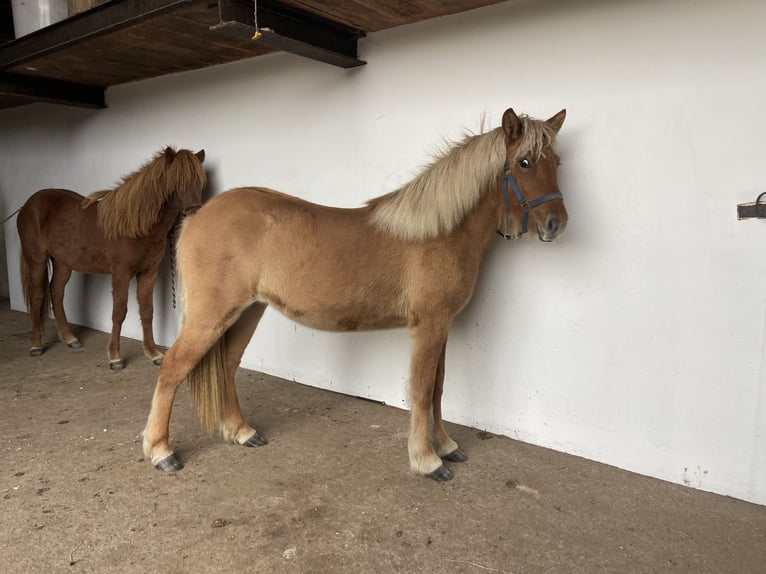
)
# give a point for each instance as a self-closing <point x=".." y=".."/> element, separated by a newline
<point x="536" y="136"/>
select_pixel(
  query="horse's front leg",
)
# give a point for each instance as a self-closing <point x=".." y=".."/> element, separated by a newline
<point x="61" y="275"/>
<point x="120" y="284"/>
<point x="446" y="448"/>
<point x="428" y="342"/>
<point x="145" y="294"/>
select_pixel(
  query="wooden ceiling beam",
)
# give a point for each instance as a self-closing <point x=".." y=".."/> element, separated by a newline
<point x="287" y="29"/>
<point x="31" y="89"/>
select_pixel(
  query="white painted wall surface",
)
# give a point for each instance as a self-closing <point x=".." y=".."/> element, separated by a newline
<point x="636" y="340"/>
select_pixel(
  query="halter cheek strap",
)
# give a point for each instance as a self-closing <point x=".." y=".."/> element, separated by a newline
<point x="526" y="206"/>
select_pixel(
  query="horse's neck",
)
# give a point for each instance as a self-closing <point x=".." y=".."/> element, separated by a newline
<point x="165" y="222"/>
<point x="481" y="224"/>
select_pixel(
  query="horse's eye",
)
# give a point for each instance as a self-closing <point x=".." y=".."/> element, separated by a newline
<point x="525" y="163"/>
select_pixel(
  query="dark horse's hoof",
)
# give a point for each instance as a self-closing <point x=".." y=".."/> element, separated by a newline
<point x="35" y="351"/>
<point x="157" y="361"/>
<point x="74" y="344"/>
<point x="456" y="455"/>
<point x="255" y="440"/>
<point x="441" y="474"/>
<point x="117" y="365"/>
<point x="169" y="464"/>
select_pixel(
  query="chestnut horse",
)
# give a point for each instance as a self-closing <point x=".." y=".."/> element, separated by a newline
<point x="121" y="231"/>
<point x="407" y="259"/>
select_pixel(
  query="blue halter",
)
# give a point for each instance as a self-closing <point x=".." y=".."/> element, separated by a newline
<point x="526" y="206"/>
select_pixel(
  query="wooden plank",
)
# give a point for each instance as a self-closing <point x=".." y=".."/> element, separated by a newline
<point x="377" y="15"/>
<point x="170" y="43"/>
<point x="99" y="21"/>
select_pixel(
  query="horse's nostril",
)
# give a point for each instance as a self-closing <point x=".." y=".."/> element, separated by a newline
<point x="553" y="223"/>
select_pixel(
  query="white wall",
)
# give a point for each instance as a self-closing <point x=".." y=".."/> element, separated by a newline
<point x="636" y="340"/>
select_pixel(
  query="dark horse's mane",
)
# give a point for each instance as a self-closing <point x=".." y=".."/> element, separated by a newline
<point x="133" y="207"/>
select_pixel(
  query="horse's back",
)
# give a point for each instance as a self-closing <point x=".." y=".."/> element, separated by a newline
<point x="323" y="266"/>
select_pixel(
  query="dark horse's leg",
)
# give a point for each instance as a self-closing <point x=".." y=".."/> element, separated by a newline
<point x="120" y="284"/>
<point x="34" y="272"/>
<point x="233" y="426"/>
<point x="34" y="276"/>
<point x="428" y="341"/>
<point x="445" y="446"/>
<point x="61" y="275"/>
<point x="145" y="294"/>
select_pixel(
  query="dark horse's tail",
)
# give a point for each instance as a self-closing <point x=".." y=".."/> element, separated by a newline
<point x="11" y="215"/>
<point x="28" y="287"/>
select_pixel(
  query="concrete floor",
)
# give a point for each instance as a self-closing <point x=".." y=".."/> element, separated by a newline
<point x="330" y="493"/>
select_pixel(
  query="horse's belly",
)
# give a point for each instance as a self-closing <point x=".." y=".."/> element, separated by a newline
<point x="342" y="317"/>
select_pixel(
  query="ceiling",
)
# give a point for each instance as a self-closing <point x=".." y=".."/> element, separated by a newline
<point x="75" y="60"/>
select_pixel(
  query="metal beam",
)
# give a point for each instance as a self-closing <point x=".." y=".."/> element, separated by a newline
<point x="33" y="89"/>
<point x="98" y="21"/>
<point x="287" y="29"/>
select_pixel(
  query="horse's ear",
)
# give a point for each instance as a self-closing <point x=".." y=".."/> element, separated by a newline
<point x="200" y="155"/>
<point x="557" y="121"/>
<point x="170" y="154"/>
<point x="511" y="124"/>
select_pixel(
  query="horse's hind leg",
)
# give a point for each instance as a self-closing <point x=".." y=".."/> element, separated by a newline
<point x="61" y="275"/>
<point x="120" y="284"/>
<point x="192" y="343"/>
<point x="445" y="446"/>
<point x="199" y="335"/>
<point x="428" y="341"/>
<point x="34" y="277"/>
<point x="145" y="294"/>
<point x="233" y="426"/>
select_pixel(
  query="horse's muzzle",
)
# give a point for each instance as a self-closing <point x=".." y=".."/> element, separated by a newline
<point x="552" y="228"/>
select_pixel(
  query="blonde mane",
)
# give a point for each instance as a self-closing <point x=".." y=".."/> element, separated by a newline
<point x="133" y="207"/>
<point x="438" y="199"/>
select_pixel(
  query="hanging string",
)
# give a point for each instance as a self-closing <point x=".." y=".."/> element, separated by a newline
<point x="255" y="20"/>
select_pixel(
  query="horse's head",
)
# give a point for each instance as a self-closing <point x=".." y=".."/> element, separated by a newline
<point x="531" y="195"/>
<point x="186" y="177"/>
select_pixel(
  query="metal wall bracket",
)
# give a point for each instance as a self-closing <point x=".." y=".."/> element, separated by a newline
<point x="28" y="89"/>
<point x="286" y="29"/>
<point x="753" y="210"/>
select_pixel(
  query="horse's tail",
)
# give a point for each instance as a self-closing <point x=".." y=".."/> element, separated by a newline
<point x="11" y="215"/>
<point x="28" y="288"/>
<point x="208" y="384"/>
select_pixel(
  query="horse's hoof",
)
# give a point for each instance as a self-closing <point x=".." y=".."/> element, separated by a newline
<point x="456" y="455"/>
<point x="117" y="365"/>
<point x="441" y="474"/>
<point x="35" y="351"/>
<point x="74" y="344"/>
<point x="157" y="361"/>
<point x="255" y="440"/>
<point x="169" y="464"/>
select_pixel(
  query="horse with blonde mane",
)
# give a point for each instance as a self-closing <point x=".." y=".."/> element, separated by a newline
<point x="121" y="231"/>
<point x="407" y="259"/>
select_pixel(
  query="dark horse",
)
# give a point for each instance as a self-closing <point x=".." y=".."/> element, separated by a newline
<point x="406" y="259"/>
<point x="121" y="231"/>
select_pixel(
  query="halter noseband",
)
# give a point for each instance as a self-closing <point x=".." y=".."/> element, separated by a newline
<point x="526" y="206"/>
